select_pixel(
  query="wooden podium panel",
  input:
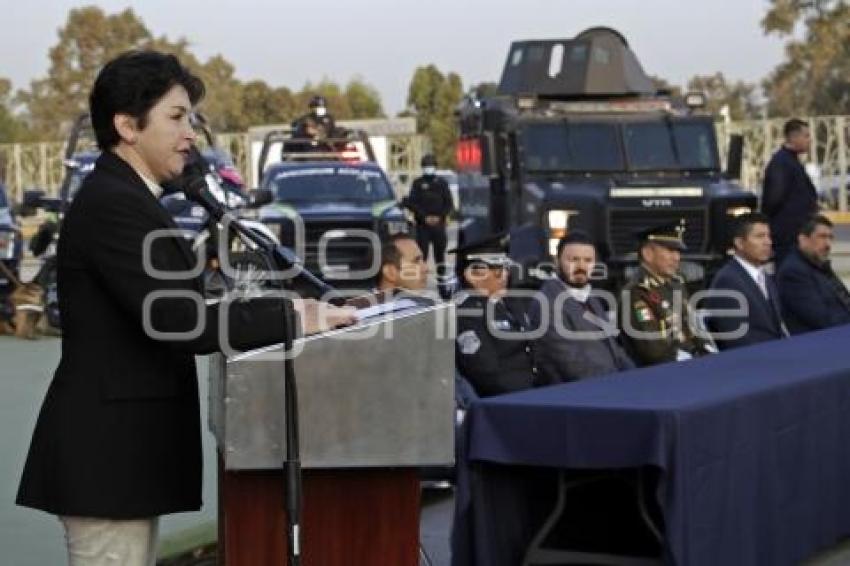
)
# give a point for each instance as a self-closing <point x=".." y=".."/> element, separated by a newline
<point x="351" y="517"/>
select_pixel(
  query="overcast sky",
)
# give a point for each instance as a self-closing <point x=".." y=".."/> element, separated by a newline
<point x="288" y="43"/>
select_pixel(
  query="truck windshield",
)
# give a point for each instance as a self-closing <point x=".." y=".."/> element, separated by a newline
<point x="663" y="145"/>
<point x="331" y="184"/>
<point x="578" y="146"/>
<point x="650" y="145"/>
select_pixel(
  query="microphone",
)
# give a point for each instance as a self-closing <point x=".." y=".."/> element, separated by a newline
<point x="196" y="188"/>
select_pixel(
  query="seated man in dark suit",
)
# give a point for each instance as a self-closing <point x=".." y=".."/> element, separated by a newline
<point x="812" y="296"/>
<point x="403" y="266"/>
<point x="492" y="350"/>
<point x="579" y="339"/>
<point x="760" y="316"/>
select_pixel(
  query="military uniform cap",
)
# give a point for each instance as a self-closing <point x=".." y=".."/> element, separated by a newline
<point x="491" y="250"/>
<point x="670" y="235"/>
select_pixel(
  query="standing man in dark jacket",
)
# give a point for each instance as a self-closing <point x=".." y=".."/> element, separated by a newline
<point x="431" y="203"/>
<point x="813" y="297"/>
<point x="788" y="196"/>
<point x="118" y="439"/>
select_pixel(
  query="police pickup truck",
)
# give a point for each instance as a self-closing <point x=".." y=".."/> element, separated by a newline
<point x="332" y="204"/>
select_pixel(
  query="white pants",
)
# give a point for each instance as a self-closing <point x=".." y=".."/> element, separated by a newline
<point x="105" y="542"/>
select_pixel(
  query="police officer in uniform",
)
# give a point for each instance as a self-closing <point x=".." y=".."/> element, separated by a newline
<point x="657" y="323"/>
<point x="431" y="203"/>
<point x="490" y="350"/>
<point x="318" y="123"/>
<point x="311" y="131"/>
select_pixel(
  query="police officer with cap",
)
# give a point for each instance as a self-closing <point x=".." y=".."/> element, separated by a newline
<point x="318" y="123"/>
<point x="657" y="323"/>
<point x="491" y="351"/>
<point x="431" y="203"/>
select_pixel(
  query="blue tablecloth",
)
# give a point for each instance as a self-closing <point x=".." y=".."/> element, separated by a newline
<point x="753" y="448"/>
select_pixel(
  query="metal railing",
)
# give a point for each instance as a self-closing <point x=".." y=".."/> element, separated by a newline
<point x="830" y="153"/>
<point x="26" y="166"/>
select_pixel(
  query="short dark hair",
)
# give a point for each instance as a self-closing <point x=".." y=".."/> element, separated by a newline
<point x="132" y="83"/>
<point x="574" y="237"/>
<point x="744" y="223"/>
<point x="390" y="254"/>
<point x="793" y="126"/>
<point x="812" y="222"/>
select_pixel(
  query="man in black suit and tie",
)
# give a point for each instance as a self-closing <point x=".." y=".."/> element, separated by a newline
<point x="760" y="317"/>
<point x="788" y="195"/>
<point x="118" y="439"/>
<point x="580" y="336"/>
<point x="813" y="296"/>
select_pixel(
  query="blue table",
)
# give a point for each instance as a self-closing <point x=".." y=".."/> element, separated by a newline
<point x="752" y="447"/>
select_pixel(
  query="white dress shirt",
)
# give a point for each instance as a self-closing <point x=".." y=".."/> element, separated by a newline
<point x="757" y="273"/>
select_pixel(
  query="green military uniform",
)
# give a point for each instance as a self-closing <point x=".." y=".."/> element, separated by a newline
<point x="657" y="323"/>
<point x="654" y="307"/>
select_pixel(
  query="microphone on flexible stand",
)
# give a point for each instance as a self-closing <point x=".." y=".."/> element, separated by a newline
<point x="196" y="189"/>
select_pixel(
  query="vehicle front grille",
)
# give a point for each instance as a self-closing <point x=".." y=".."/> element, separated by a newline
<point x="625" y="223"/>
<point x="348" y="251"/>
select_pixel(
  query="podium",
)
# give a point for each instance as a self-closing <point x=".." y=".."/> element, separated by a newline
<point x="376" y="402"/>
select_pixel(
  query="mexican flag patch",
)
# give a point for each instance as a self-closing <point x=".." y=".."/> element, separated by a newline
<point x="643" y="314"/>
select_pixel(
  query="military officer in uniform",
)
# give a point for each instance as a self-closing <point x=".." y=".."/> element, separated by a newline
<point x="657" y="323"/>
<point x="491" y="350"/>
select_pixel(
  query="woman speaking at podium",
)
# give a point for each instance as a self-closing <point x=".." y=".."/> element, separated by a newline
<point x="118" y="439"/>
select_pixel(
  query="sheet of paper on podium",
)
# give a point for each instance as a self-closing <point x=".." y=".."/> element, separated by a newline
<point x="384" y="308"/>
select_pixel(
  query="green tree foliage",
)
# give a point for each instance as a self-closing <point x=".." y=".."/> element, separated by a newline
<point x="433" y="97"/>
<point x="363" y="100"/>
<point x="12" y="128"/>
<point x="815" y="77"/>
<point x="88" y="39"/>
<point x="91" y="37"/>
<point x="739" y="96"/>
<point x="262" y="104"/>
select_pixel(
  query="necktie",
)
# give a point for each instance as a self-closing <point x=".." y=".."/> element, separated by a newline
<point x="762" y="284"/>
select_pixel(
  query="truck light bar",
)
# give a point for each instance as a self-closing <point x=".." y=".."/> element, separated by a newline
<point x="613" y="106"/>
<point x="645" y="192"/>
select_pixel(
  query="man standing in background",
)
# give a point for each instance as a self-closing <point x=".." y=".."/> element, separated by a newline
<point x="788" y="196"/>
<point x="431" y="203"/>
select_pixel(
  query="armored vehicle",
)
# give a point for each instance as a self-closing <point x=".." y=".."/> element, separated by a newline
<point x="578" y="137"/>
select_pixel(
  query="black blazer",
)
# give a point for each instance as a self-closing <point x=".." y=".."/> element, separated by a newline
<point x="119" y="433"/>
<point x="788" y="197"/>
<point x="812" y="296"/>
<point x="765" y="316"/>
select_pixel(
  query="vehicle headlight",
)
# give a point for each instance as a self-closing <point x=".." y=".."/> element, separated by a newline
<point x="7" y="245"/>
<point x="738" y="210"/>
<point x="394" y="227"/>
<point x="559" y="221"/>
